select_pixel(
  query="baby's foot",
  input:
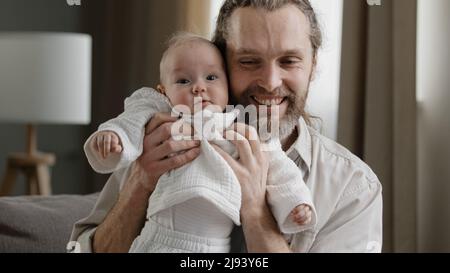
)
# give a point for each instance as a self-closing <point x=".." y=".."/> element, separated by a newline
<point x="302" y="214"/>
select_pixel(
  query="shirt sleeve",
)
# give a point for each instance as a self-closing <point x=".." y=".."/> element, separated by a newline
<point x="85" y="241"/>
<point x="357" y="218"/>
<point x="84" y="230"/>
<point x="140" y="107"/>
<point x="287" y="190"/>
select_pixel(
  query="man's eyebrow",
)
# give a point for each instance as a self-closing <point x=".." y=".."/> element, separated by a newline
<point x="246" y="51"/>
<point x="288" y="52"/>
<point x="293" y="52"/>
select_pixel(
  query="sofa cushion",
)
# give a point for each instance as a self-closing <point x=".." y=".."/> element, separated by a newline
<point x="40" y="224"/>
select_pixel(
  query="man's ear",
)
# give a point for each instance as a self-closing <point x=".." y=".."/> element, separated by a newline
<point x="161" y="89"/>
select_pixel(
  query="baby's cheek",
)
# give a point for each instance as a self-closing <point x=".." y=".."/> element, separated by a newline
<point x="222" y="98"/>
<point x="184" y="100"/>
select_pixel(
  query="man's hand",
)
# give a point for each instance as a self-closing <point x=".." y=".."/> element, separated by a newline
<point x="260" y="228"/>
<point x="106" y="142"/>
<point x="251" y="168"/>
<point x="162" y="153"/>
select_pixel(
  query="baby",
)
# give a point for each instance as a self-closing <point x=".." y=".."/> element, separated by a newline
<point x="193" y="208"/>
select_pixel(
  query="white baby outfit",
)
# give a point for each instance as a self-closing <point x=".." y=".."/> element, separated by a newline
<point x="193" y="208"/>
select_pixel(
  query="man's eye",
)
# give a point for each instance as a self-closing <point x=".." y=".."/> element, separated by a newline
<point x="183" y="81"/>
<point x="212" y="77"/>
<point x="248" y="62"/>
<point x="290" y="61"/>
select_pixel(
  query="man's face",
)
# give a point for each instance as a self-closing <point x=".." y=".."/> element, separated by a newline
<point x="270" y="60"/>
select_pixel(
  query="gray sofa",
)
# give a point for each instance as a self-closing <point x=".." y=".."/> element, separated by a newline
<point x="40" y="224"/>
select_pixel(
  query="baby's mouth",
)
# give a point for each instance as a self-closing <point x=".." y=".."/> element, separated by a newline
<point x="206" y="103"/>
<point x="199" y="101"/>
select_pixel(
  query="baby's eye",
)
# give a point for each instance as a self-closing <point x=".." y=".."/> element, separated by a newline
<point x="212" y="77"/>
<point x="183" y="81"/>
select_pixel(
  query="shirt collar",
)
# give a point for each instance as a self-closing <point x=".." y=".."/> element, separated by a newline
<point x="302" y="145"/>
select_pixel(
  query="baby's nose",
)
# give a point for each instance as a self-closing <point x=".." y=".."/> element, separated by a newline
<point x="198" y="88"/>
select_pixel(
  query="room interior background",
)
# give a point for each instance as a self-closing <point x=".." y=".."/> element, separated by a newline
<point x="128" y="39"/>
<point x="393" y="96"/>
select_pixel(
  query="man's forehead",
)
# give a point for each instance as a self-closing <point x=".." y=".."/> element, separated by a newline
<point x="252" y="29"/>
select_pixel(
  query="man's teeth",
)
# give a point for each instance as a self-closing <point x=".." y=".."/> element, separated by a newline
<point x="269" y="102"/>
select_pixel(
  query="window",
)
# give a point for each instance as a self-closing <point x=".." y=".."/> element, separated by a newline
<point x="323" y="98"/>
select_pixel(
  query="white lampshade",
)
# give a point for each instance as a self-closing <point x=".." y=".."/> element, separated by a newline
<point x="45" y="77"/>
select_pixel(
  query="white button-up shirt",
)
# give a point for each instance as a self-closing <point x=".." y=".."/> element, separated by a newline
<point x="345" y="192"/>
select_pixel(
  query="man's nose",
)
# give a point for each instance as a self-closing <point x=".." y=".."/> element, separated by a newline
<point x="199" y="87"/>
<point x="270" y="78"/>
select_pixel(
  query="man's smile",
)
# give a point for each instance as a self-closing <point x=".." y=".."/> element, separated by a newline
<point x="268" y="100"/>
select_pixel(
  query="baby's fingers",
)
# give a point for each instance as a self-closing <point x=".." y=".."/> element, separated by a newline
<point x="307" y="219"/>
<point x="94" y="143"/>
<point x="306" y="208"/>
<point x="98" y="144"/>
<point x="116" y="148"/>
<point x="304" y="217"/>
<point x="106" y="145"/>
<point x="115" y="140"/>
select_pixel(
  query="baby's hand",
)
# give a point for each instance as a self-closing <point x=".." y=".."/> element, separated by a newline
<point x="302" y="214"/>
<point x="106" y="142"/>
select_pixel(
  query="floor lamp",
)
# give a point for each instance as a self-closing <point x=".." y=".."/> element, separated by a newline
<point x="45" y="78"/>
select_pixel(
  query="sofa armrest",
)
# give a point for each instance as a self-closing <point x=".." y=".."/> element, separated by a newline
<point x="40" y="224"/>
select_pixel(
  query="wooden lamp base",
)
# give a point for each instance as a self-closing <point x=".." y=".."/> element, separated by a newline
<point x="33" y="164"/>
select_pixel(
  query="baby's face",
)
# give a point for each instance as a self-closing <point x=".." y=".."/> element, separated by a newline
<point x="192" y="70"/>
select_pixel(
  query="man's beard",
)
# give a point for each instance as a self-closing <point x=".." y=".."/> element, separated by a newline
<point x="288" y="123"/>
